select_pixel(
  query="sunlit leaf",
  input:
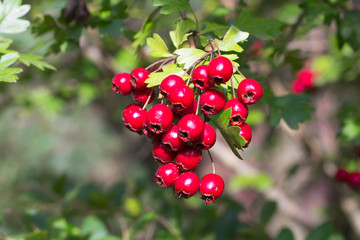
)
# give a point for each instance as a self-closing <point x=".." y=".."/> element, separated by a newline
<point x="179" y="35"/>
<point x="158" y="46"/>
<point x="188" y="56"/>
<point x="10" y="12"/>
<point x="37" y="61"/>
<point x="172" y="6"/>
<point x="156" y="78"/>
<point x="231" y="39"/>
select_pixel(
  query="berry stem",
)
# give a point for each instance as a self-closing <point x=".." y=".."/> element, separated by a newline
<point x="198" y="103"/>
<point x="160" y="61"/>
<point x="239" y="71"/>
<point x="148" y="99"/>
<point x="214" y="42"/>
<point x="212" y="161"/>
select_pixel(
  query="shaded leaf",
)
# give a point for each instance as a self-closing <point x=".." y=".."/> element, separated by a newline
<point x="172" y="6"/>
<point x="93" y="227"/>
<point x="322" y="232"/>
<point x="155" y="78"/>
<point x="158" y="46"/>
<point x="267" y="212"/>
<point x="141" y="222"/>
<point x="285" y="234"/>
<point x="30" y="59"/>
<point x="188" y="56"/>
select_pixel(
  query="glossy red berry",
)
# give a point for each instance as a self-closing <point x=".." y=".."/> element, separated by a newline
<point x="249" y="91"/>
<point x="211" y="187"/>
<point x="239" y="111"/>
<point x="167" y="174"/>
<point x="181" y="97"/>
<point x="207" y="139"/>
<point x="171" y="139"/>
<point x="212" y="101"/>
<point x="134" y="119"/>
<point x="245" y="132"/>
<point x="169" y="83"/>
<point x="188" y="158"/>
<point x="353" y="179"/>
<point x="141" y="96"/>
<point x="297" y="86"/>
<point x="159" y="119"/>
<point x="138" y="77"/>
<point x="201" y="79"/>
<point x="341" y="175"/>
<point x="130" y="108"/>
<point x="190" y="110"/>
<point x="306" y="77"/>
<point x="163" y="154"/>
<point x="187" y="185"/>
<point x="220" y="70"/>
<point x="121" y="84"/>
<point x="190" y="127"/>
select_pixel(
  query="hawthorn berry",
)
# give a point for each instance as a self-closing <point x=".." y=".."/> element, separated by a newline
<point x="159" y="119"/>
<point x="171" y="139"/>
<point x="220" y="70"/>
<point x="121" y="84"/>
<point x="249" y="91"/>
<point x="141" y="96"/>
<point x="190" y="127"/>
<point x="130" y="108"/>
<point x="186" y="185"/>
<point x="239" y="111"/>
<point x="353" y="179"/>
<point x="163" y="154"/>
<point x="167" y="174"/>
<point x="134" y="119"/>
<point x="245" y="132"/>
<point x="138" y="77"/>
<point x="306" y="77"/>
<point x="189" y="110"/>
<point x="297" y="86"/>
<point x="188" y="158"/>
<point x="207" y="139"/>
<point x="341" y="175"/>
<point x="212" y="101"/>
<point x="181" y="97"/>
<point x="201" y="79"/>
<point x="211" y="187"/>
<point x="169" y="83"/>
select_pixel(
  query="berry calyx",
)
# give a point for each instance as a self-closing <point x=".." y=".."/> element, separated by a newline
<point x="121" y="84"/>
<point x="171" y="139"/>
<point x="188" y="158"/>
<point x="212" y="101"/>
<point x="207" y="139"/>
<point x="211" y="187"/>
<point x="341" y="175"/>
<point x="190" y="127"/>
<point x="169" y="83"/>
<point x="201" y="78"/>
<point x="138" y="77"/>
<point x="249" y="91"/>
<point x="220" y="70"/>
<point x="181" y="97"/>
<point x="167" y="174"/>
<point x="245" y="132"/>
<point x="353" y="179"/>
<point x="159" y="119"/>
<point x="134" y="119"/>
<point x="186" y="185"/>
<point x="239" y="111"/>
<point x="162" y="154"/>
<point x="141" y="96"/>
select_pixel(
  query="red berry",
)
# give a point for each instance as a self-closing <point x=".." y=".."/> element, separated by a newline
<point x="134" y="119"/>
<point x="297" y="86"/>
<point x="245" y="132"/>
<point x="190" y="128"/>
<point x="121" y="84"/>
<point x="159" y="119"/>
<point x="169" y="83"/>
<point x="212" y="101"/>
<point x="201" y="79"/>
<point x="188" y="158"/>
<point x="181" y="97"/>
<point x="220" y="70"/>
<point x="141" y="96"/>
<point x="138" y="77"/>
<point x="353" y="179"/>
<point x="167" y="174"/>
<point x="341" y="175"/>
<point x="211" y="187"/>
<point x="239" y="111"/>
<point x="207" y="139"/>
<point x="186" y="185"/>
<point x="162" y="154"/>
<point x="249" y="91"/>
<point x="189" y="110"/>
<point x="130" y="108"/>
<point x="306" y="77"/>
<point x="171" y="139"/>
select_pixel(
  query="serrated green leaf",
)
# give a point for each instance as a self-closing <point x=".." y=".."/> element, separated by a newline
<point x="4" y="43"/>
<point x="8" y="59"/>
<point x="267" y="212"/>
<point x="285" y="234"/>
<point x="263" y="28"/>
<point x="322" y="232"/>
<point x="188" y="56"/>
<point x="172" y="6"/>
<point x="236" y="139"/>
<point x="141" y="222"/>
<point x="231" y="39"/>
<point x="10" y="11"/>
<point x="30" y="59"/>
<point x="179" y="35"/>
<point x="156" y="78"/>
<point x="158" y="46"/>
<point x="218" y="29"/>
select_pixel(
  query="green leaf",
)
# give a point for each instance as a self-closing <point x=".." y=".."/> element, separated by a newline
<point x="4" y="43"/>
<point x="179" y="35"/>
<point x="158" y="46"/>
<point x="30" y="59"/>
<point x="216" y="28"/>
<point x="146" y="30"/>
<point x="93" y="227"/>
<point x="9" y="74"/>
<point x="155" y="78"/>
<point x="263" y="28"/>
<point x="322" y="232"/>
<point x="267" y="212"/>
<point x="260" y="182"/>
<point x="231" y="39"/>
<point x="8" y="59"/>
<point x="10" y="11"/>
<point x="285" y="234"/>
<point x="172" y="6"/>
<point x="236" y="139"/>
<point x="188" y="56"/>
<point x="141" y="222"/>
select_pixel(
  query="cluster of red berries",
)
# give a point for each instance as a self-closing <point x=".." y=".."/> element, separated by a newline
<point x="351" y="178"/>
<point x="179" y="134"/>
<point x="304" y="81"/>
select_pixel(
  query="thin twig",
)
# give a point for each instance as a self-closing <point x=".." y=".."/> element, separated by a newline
<point x="160" y="61"/>
<point x="238" y="71"/>
<point x="216" y="46"/>
<point x="212" y="161"/>
<point x="198" y="103"/>
<point x="148" y="99"/>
